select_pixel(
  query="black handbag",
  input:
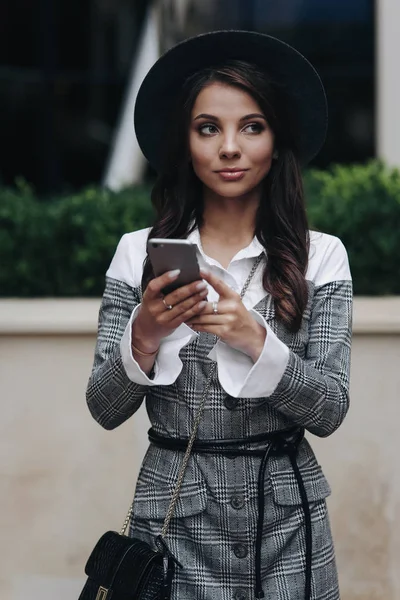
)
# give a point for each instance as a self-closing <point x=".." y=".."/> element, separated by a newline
<point x="124" y="568"/>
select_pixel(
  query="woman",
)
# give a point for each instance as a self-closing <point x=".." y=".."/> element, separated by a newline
<point x="227" y="118"/>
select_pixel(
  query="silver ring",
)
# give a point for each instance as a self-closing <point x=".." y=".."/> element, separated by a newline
<point x="215" y="308"/>
<point x="168" y="306"/>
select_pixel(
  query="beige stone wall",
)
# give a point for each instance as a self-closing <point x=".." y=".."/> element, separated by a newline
<point x="64" y="480"/>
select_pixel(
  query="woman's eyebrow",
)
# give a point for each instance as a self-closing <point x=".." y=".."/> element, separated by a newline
<point x="206" y="116"/>
<point x="253" y="116"/>
<point x="245" y="118"/>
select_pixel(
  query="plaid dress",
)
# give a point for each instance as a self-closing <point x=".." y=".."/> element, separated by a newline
<point x="302" y="380"/>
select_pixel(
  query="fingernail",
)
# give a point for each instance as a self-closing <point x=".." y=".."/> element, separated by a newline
<point x="201" y="286"/>
<point x="174" y="273"/>
<point x="205" y="271"/>
<point x="202" y="304"/>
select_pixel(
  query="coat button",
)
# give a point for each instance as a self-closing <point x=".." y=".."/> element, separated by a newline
<point x="237" y="502"/>
<point x="231" y="403"/>
<point x="240" y="595"/>
<point x="240" y="550"/>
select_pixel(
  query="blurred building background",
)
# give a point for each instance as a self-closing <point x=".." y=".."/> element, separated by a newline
<point x="66" y="68"/>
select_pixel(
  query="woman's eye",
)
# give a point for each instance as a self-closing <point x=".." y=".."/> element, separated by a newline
<point x="208" y="129"/>
<point x="253" y="128"/>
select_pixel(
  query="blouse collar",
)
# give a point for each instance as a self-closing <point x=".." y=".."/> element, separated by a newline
<point x="254" y="249"/>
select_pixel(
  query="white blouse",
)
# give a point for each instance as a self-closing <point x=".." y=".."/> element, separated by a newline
<point x="239" y="376"/>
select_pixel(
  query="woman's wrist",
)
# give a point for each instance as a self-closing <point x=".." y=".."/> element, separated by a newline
<point x="257" y="342"/>
<point x="136" y="350"/>
<point x="142" y="344"/>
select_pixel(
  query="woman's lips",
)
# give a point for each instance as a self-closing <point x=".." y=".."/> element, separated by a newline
<point x="232" y="175"/>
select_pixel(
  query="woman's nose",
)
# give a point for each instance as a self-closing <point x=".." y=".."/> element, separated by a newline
<point x="230" y="148"/>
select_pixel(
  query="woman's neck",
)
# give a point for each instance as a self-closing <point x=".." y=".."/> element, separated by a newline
<point x="231" y="218"/>
<point x="228" y="226"/>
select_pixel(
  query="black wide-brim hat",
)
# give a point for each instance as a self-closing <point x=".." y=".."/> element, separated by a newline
<point x="290" y="70"/>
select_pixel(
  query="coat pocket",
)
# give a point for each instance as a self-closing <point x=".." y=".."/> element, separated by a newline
<point x="156" y="483"/>
<point x="285" y="489"/>
<point x="152" y="501"/>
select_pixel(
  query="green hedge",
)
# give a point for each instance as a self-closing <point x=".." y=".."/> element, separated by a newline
<point x="63" y="246"/>
<point x="361" y="205"/>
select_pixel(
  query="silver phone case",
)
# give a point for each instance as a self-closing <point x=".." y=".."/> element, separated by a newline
<point x="167" y="255"/>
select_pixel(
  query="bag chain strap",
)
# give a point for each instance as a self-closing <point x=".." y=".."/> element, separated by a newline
<point x="185" y="460"/>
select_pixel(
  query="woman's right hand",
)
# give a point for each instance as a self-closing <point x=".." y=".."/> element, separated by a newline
<point x="155" y="321"/>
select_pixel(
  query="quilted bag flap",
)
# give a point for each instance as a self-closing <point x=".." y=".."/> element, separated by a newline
<point x="122" y="564"/>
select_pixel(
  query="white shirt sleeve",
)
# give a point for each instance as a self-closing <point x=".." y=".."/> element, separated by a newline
<point x="167" y="366"/>
<point x="240" y="377"/>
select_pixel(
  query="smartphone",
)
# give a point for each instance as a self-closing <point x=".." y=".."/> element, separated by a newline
<point x="168" y="254"/>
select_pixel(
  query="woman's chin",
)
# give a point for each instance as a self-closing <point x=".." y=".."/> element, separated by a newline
<point x="232" y="190"/>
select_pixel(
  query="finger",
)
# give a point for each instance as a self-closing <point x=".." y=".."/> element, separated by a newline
<point x="186" y="291"/>
<point x="219" y="286"/>
<point x="204" y="319"/>
<point x="153" y="290"/>
<point x="180" y="309"/>
<point x="213" y="329"/>
<point x="222" y="307"/>
<point x="177" y="321"/>
<point x="195" y="311"/>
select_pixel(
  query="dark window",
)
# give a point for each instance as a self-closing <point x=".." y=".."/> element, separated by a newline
<point x="64" y="68"/>
<point x="337" y="36"/>
<point x="63" y="71"/>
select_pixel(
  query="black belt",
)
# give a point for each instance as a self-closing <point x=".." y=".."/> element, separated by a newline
<point x="279" y="443"/>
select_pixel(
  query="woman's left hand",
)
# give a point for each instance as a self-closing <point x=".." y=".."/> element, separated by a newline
<point x="233" y="323"/>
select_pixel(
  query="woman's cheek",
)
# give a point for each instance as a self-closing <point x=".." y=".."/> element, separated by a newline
<point x="199" y="168"/>
<point x="201" y="160"/>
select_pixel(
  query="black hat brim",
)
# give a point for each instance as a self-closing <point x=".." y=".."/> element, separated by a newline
<point x="285" y="65"/>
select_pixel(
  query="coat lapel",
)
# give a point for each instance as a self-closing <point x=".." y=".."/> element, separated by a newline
<point x="266" y="307"/>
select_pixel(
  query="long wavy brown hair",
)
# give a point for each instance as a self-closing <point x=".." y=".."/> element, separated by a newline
<point x="281" y="222"/>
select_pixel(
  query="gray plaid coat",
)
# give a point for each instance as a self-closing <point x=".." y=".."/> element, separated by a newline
<point x="213" y="531"/>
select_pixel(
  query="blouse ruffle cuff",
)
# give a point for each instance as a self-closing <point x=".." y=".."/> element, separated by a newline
<point x="167" y="365"/>
<point x="241" y="377"/>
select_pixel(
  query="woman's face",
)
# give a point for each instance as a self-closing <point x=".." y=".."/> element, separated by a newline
<point x="231" y="144"/>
